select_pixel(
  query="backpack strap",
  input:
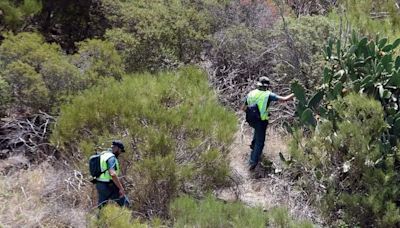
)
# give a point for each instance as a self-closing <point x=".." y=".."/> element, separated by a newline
<point x="109" y="155"/>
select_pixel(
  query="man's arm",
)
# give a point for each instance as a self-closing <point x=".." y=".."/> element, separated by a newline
<point x="116" y="181"/>
<point x="285" y="98"/>
<point x="111" y="162"/>
<point x="244" y="107"/>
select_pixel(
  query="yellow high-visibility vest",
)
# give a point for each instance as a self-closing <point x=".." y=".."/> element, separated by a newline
<point x="260" y="98"/>
<point x="106" y="177"/>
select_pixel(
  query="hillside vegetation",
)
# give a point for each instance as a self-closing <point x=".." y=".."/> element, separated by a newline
<point x="167" y="78"/>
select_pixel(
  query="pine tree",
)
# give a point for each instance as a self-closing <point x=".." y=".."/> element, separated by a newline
<point x="13" y="16"/>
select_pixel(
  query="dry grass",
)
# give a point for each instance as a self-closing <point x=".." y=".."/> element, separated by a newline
<point x="43" y="196"/>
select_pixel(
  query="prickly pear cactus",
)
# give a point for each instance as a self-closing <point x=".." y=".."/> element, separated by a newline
<point x="368" y="66"/>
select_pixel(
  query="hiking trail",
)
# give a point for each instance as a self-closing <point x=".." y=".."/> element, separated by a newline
<point x="269" y="189"/>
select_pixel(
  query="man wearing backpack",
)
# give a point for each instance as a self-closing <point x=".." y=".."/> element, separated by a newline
<point x="108" y="184"/>
<point x="256" y="105"/>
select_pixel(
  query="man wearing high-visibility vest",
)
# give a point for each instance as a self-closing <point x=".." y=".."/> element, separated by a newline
<point x="108" y="184"/>
<point x="261" y="97"/>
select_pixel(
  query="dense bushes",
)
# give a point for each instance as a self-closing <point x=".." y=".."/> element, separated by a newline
<point x="38" y="75"/>
<point x="241" y="54"/>
<point x="67" y="22"/>
<point x="113" y="216"/>
<point x="14" y="14"/>
<point x="158" y="34"/>
<point x="28" y="64"/>
<point x="347" y="159"/>
<point x="4" y="93"/>
<point x="98" y="59"/>
<point x="303" y="60"/>
<point x="371" y="16"/>
<point x="209" y="212"/>
<point x="351" y="154"/>
<point x="172" y="124"/>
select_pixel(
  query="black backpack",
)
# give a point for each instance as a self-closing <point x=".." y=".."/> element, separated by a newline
<point x="253" y="115"/>
<point x="94" y="166"/>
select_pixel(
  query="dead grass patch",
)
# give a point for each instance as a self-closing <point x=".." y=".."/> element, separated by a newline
<point x="43" y="196"/>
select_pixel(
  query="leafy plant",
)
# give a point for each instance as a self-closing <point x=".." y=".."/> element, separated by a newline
<point x="352" y="146"/>
<point x="209" y="212"/>
<point x="365" y="66"/>
<point x="14" y="13"/>
<point x="171" y="123"/>
<point x="99" y="59"/>
<point x="157" y="34"/>
<point x="370" y="16"/>
<point x="113" y="216"/>
<point x="5" y="94"/>
<point x="40" y="76"/>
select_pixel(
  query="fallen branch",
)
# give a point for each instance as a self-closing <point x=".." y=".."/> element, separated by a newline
<point x="27" y="136"/>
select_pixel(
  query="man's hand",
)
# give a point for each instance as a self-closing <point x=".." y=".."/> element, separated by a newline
<point x="121" y="193"/>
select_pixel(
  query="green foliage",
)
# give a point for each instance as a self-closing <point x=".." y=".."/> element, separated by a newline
<point x="186" y="211"/>
<point x="27" y="85"/>
<point x="40" y="75"/>
<point x="26" y="58"/>
<point x="156" y="181"/>
<point x="158" y="34"/>
<point x="279" y="217"/>
<point x="99" y="59"/>
<point x="14" y="15"/>
<point x="5" y="94"/>
<point x="354" y="133"/>
<point x="171" y="122"/>
<point x="247" y="52"/>
<point x="308" y="34"/>
<point x="363" y="66"/>
<point x="113" y="216"/>
<point x="209" y="212"/>
<point x="371" y="16"/>
<point x="347" y="156"/>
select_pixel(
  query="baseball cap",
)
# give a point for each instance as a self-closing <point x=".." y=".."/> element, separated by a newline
<point x="119" y="144"/>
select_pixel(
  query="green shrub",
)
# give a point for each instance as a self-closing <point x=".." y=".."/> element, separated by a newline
<point x="98" y="59"/>
<point x="157" y="34"/>
<point x="171" y="123"/>
<point x="352" y="153"/>
<point x="209" y="212"/>
<point x="360" y="15"/>
<point x="26" y="58"/>
<point x="186" y="211"/>
<point x="347" y="155"/>
<point x="279" y="217"/>
<point x="5" y="94"/>
<point x="27" y="85"/>
<point x="14" y="15"/>
<point x="113" y="216"/>
<point x="53" y="76"/>
<point x="309" y="35"/>
<point x="246" y="53"/>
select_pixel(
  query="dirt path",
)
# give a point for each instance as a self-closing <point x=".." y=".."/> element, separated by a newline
<point x="272" y="189"/>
